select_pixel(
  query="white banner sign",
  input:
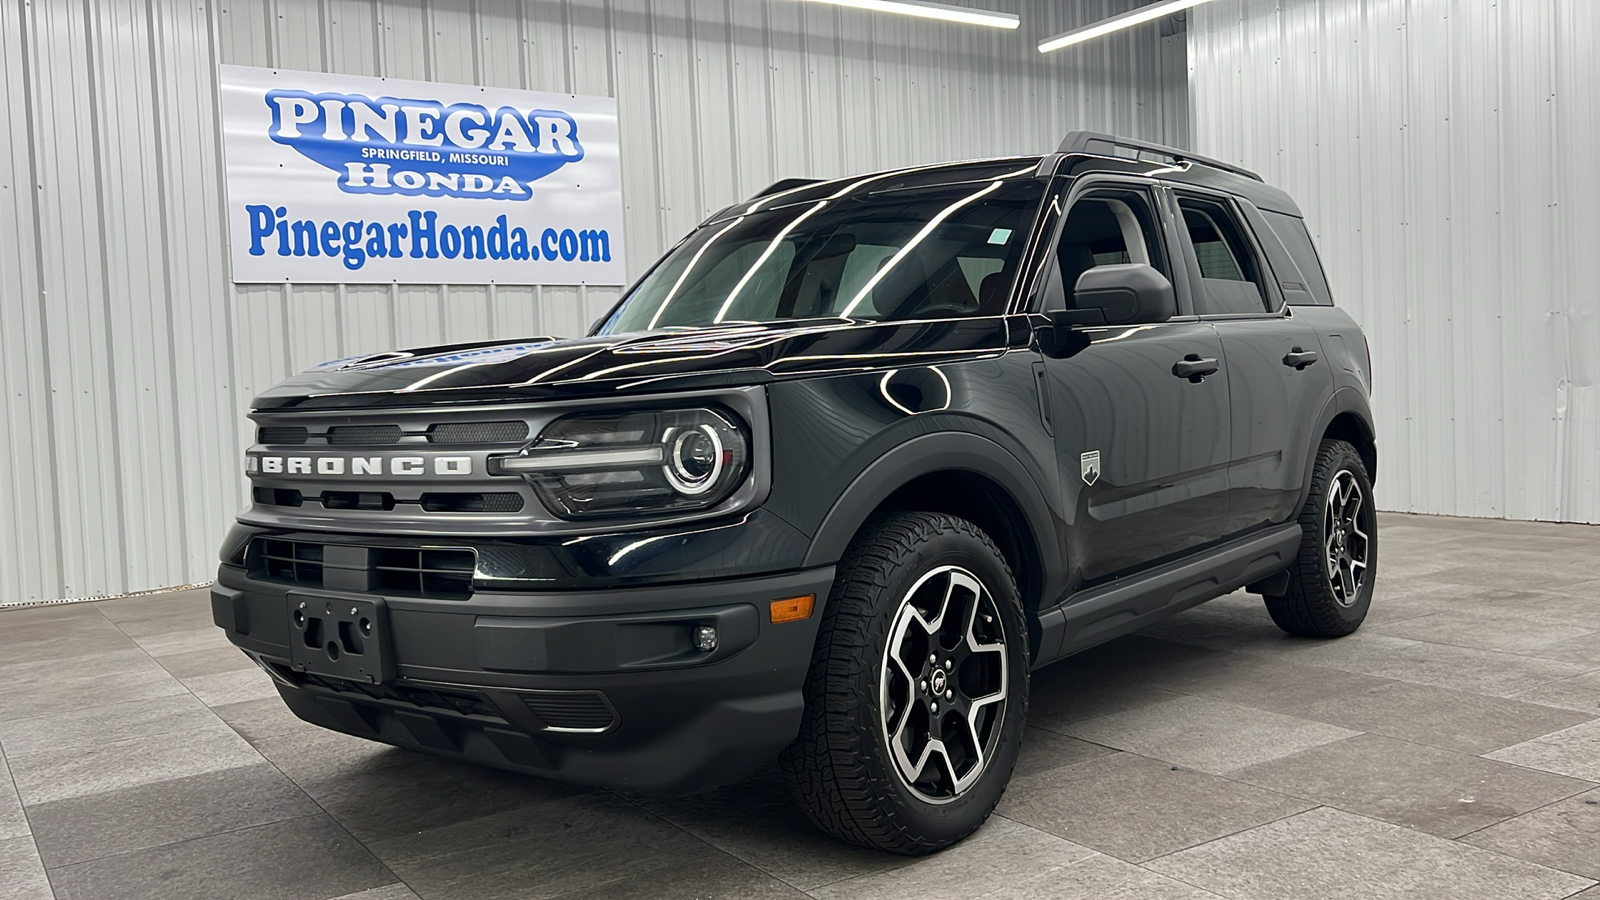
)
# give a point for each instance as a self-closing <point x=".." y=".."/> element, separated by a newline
<point x="341" y="178"/>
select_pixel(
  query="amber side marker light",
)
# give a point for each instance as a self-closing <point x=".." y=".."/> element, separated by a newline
<point x="793" y="609"/>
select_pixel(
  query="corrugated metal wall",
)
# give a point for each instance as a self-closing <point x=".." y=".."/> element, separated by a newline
<point x="128" y="357"/>
<point x="1444" y="153"/>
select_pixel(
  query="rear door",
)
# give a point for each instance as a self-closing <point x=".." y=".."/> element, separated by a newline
<point x="1278" y="381"/>
<point x="1143" y="450"/>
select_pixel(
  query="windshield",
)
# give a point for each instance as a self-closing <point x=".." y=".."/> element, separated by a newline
<point x="930" y="252"/>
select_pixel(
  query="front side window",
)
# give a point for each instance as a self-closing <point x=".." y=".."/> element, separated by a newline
<point x="1230" y="276"/>
<point x="1107" y="227"/>
<point x="941" y="251"/>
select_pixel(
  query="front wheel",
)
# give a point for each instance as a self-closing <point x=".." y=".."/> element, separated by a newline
<point x="918" y="688"/>
<point x="1331" y="580"/>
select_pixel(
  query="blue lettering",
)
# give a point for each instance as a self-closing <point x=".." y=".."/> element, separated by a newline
<point x="569" y="245"/>
<point x="547" y="243"/>
<point x="261" y="224"/>
<point x="450" y="241"/>
<point x="423" y="236"/>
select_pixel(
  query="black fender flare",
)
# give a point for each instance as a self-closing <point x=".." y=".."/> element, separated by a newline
<point x="943" y="452"/>
<point x="1344" y="400"/>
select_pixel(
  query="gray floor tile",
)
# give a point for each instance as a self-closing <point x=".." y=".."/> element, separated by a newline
<point x="21" y="874"/>
<point x="1564" y="835"/>
<point x="13" y="823"/>
<point x="166" y="812"/>
<point x="1326" y="853"/>
<point x="1581" y="693"/>
<point x="1573" y="751"/>
<point x="104" y="724"/>
<point x="1102" y="877"/>
<point x="1452" y="720"/>
<point x="263" y="720"/>
<point x="1437" y="791"/>
<point x="1002" y="859"/>
<point x="387" y="892"/>
<point x="211" y="661"/>
<point x="1486" y="631"/>
<point x="1056" y="701"/>
<point x="702" y="875"/>
<point x="1584" y="650"/>
<point x="554" y="848"/>
<point x="155" y="613"/>
<point x="1205" y="734"/>
<point x="1042" y="750"/>
<point x="166" y="643"/>
<point x="300" y="859"/>
<point x="1136" y="808"/>
<point x="42" y="686"/>
<point x="757" y="821"/>
<point x="49" y="775"/>
<point x="58" y="633"/>
<point x="378" y="791"/>
<point x="1275" y="685"/>
<point x="1459" y="668"/>
<point x="232" y="687"/>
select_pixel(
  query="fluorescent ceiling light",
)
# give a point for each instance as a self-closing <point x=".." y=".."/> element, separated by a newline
<point x="944" y="11"/>
<point x="1117" y="23"/>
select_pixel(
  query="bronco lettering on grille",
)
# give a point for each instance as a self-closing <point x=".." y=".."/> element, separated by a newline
<point x="449" y="466"/>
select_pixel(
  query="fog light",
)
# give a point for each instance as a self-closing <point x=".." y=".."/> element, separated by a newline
<point x="705" y="638"/>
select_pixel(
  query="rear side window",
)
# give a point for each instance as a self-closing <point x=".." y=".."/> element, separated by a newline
<point x="1229" y="271"/>
<point x="1297" y="240"/>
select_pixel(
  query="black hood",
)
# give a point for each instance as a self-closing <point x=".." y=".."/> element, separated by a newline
<point x="551" y="368"/>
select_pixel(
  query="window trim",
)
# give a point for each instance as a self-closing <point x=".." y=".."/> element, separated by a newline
<point x="1276" y="307"/>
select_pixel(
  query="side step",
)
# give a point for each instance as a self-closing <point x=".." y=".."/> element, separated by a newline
<point x="1098" y="614"/>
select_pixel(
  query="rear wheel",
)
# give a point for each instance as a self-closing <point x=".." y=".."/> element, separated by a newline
<point x="1331" y="580"/>
<point x="918" y="688"/>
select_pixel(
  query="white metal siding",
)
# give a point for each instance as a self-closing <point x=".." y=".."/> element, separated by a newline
<point x="127" y="357"/>
<point x="1443" y="151"/>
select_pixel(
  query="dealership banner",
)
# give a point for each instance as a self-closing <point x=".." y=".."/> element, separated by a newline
<point x="342" y="178"/>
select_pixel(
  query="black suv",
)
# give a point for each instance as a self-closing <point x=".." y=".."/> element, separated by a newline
<point x="829" y="481"/>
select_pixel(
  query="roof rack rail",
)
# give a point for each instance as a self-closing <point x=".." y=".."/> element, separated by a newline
<point x="785" y="184"/>
<point x="1108" y="145"/>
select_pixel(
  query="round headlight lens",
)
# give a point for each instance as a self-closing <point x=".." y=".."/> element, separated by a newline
<point x="649" y="461"/>
<point x="694" y="460"/>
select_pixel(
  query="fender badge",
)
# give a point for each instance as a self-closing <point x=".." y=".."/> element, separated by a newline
<point x="1089" y="466"/>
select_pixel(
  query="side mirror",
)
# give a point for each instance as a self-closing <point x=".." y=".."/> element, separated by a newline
<point x="1132" y="294"/>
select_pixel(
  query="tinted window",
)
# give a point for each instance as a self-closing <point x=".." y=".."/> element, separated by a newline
<point x="1102" y="229"/>
<point x="929" y="252"/>
<point x="1230" y="274"/>
<point x="1297" y="240"/>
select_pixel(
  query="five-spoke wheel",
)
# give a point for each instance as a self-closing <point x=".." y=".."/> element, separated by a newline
<point x="943" y="684"/>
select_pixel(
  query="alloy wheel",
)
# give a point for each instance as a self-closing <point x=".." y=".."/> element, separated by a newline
<point x="1346" y="544"/>
<point x="944" y="684"/>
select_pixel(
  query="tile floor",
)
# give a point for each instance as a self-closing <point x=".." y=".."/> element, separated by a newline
<point x="1449" y="749"/>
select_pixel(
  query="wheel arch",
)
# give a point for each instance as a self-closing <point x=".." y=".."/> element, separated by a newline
<point x="961" y="474"/>
<point x="1346" y="417"/>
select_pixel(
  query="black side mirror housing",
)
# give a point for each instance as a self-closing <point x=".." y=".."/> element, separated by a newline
<point x="1130" y="294"/>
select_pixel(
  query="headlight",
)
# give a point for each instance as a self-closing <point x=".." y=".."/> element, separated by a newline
<point x="653" y="461"/>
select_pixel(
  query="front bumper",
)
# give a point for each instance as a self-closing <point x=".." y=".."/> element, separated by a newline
<point x="599" y="687"/>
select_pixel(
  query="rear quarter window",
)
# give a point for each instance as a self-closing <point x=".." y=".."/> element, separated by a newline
<point x="1294" y="236"/>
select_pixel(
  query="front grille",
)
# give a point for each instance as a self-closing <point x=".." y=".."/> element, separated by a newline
<point x="571" y="710"/>
<point x="277" y="496"/>
<point x="472" y="503"/>
<point x="357" y="500"/>
<point x="365" y="435"/>
<point x="294" y="562"/>
<point x="431" y="573"/>
<point x="478" y="433"/>
<point x="282" y="434"/>
<point x="441" y="574"/>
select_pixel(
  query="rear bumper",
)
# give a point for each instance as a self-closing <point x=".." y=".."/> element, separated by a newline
<point x="600" y="686"/>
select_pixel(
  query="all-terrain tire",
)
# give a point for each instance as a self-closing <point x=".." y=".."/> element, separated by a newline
<point x="840" y="768"/>
<point x="1314" y="606"/>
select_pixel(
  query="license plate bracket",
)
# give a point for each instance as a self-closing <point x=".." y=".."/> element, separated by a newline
<point x="339" y="636"/>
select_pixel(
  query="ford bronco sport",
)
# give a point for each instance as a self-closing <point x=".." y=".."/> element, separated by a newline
<point x="829" y="481"/>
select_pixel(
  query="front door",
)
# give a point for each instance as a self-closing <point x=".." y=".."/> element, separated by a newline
<point x="1140" y="413"/>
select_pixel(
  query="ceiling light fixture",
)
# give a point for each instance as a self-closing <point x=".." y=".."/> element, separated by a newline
<point x="943" y="11"/>
<point x="1116" y="23"/>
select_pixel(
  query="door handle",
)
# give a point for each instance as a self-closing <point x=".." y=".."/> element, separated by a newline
<point x="1195" y="368"/>
<point x="1300" y="358"/>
